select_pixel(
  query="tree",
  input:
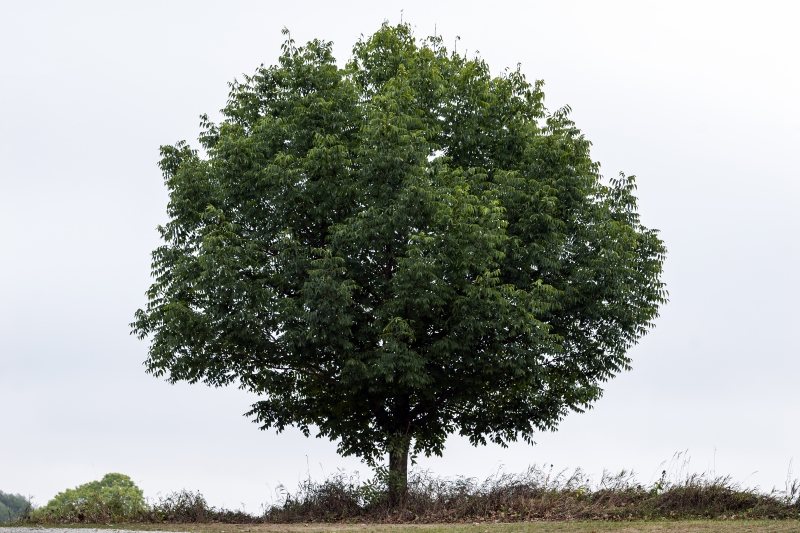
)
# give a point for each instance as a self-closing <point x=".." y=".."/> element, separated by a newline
<point x="397" y="250"/>
<point x="13" y="507"/>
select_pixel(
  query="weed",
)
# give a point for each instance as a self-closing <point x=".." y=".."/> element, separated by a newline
<point x="536" y="494"/>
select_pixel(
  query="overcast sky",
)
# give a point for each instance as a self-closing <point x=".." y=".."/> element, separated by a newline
<point x="698" y="99"/>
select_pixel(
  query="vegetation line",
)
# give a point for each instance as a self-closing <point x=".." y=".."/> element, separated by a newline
<point x="535" y="495"/>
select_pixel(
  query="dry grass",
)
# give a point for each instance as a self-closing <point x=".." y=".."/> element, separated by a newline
<point x="538" y="496"/>
<point x="659" y="526"/>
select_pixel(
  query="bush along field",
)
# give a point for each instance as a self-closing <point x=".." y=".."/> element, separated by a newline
<point x="537" y="494"/>
<point x="115" y="498"/>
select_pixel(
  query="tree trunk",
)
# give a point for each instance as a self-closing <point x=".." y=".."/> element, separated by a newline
<point x="398" y="471"/>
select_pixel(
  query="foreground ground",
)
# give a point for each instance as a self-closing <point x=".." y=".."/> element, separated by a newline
<point x="683" y="526"/>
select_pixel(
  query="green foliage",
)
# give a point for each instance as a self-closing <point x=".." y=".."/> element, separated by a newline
<point x="13" y="507"/>
<point x="114" y="498"/>
<point x="397" y="250"/>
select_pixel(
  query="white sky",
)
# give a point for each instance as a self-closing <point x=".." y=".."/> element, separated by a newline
<point x="698" y="99"/>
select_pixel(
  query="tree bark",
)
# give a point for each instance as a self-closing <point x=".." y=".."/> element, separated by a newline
<point x="398" y="471"/>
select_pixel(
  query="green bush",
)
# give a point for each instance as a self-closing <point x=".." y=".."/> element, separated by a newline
<point x="114" y="498"/>
<point x="12" y="507"/>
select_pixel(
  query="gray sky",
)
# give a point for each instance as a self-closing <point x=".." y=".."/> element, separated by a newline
<point x="698" y="99"/>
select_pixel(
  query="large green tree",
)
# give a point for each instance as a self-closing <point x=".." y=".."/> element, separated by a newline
<point x="397" y="250"/>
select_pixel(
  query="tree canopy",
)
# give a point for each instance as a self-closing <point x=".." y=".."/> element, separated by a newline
<point x="396" y="250"/>
<point x="12" y="506"/>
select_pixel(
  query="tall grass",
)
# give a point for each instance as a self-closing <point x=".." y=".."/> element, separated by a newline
<point x="536" y="494"/>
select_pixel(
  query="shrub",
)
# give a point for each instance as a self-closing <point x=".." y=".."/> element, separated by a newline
<point x="115" y="498"/>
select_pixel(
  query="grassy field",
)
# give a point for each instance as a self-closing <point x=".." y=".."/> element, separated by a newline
<point x="678" y="526"/>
